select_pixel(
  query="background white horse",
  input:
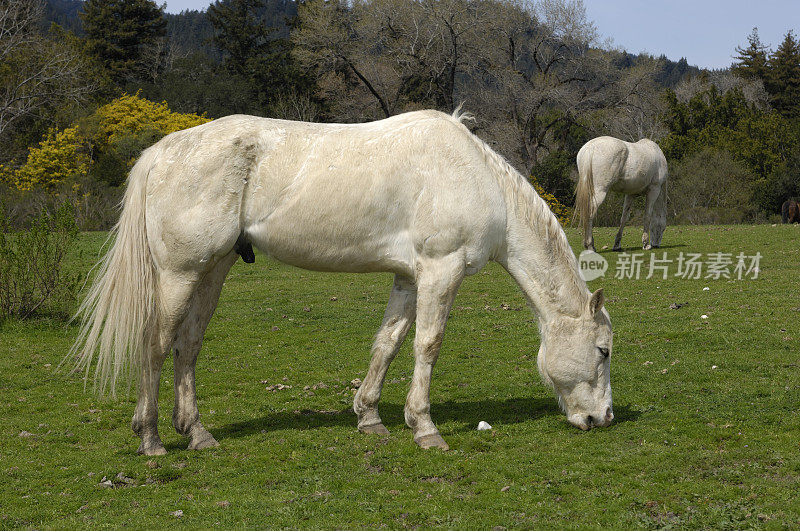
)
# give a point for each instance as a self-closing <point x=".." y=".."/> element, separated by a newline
<point x="416" y="194"/>
<point x="606" y="163"/>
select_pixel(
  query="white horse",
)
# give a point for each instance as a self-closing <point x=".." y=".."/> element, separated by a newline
<point x="606" y="163"/>
<point x="416" y="194"/>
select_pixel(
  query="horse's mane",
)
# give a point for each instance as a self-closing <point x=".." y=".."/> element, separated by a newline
<point x="529" y="206"/>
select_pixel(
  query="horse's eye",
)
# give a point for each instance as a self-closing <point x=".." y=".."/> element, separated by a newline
<point x="603" y="351"/>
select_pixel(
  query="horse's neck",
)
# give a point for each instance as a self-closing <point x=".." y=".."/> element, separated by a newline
<point x="539" y="259"/>
<point x="536" y="251"/>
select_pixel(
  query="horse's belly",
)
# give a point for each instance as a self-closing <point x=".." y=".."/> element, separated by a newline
<point x="634" y="187"/>
<point x="351" y="245"/>
<point x="633" y="183"/>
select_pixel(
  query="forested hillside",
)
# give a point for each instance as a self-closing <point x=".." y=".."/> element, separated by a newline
<point x="534" y="75"/>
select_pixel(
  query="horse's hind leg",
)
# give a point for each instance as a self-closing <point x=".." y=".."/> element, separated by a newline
<point x="626" y="209"/>
<point x="189" y="339"/>
<point x="145" y="416"/>
<point x="650" y="203"/>
<point x="175" y="291"/>
<point x="397" y="320"/>
<point x="588" y="238"/>
<point x="437" y="283"/>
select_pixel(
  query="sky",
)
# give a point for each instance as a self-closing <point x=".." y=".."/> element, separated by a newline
<point x="705" y="32"/>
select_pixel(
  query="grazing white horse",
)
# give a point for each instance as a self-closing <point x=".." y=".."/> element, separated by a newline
<point x="606" y="163"/>
<point x="416" y="194"/>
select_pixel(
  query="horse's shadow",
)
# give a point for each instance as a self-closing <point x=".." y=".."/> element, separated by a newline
<point x="466" y="414"/>
<point x="638" y="248"/>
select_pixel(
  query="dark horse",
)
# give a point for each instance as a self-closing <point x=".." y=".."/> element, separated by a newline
<point x="790" y="212"/>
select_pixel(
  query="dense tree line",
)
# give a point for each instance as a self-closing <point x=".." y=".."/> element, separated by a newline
<point x="532" y="72"/>
<point x="748" y="116"/>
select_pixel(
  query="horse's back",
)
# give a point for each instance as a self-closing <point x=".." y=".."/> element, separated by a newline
<point x="626" y="167"/>
<point x="646" y="159"/>
<point x="371" y="197"/>
<point x="341" y="197"/>
<point x="604" y="158"/>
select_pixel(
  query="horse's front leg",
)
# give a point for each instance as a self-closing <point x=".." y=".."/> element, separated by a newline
<point x="437" y="283"/>
<point x="397" y="320"/>
<point x="185" y="415"/>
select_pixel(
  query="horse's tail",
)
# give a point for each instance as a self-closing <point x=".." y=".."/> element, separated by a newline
<point x="584" y="194"/>
<point x="119" y="313"/>
<point x="785" y="211"/>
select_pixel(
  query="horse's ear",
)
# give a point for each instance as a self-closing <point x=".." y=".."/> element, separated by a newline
<point x="596" y="301"/>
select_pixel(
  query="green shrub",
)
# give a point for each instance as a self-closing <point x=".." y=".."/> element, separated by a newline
<point x="711" y="187"/>
<point x="31" y="274"/>
<point x="563" y="213"/>
<point x="555" y="174"/>
<point x="780" y="185"/>
<point x="95" y="204"/>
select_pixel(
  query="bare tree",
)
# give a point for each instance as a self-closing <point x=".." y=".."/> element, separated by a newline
<point x="158" y="56"/>
<point x="37" y="71"/>
<point x="439" y="42"/>
<point x="381" y="57"/>
<point x="17" y="18"/>
<point x="542" y="75"/>
<point x="752" y="88"/>
<point x="294" y="106"/>
<point x="529" y="69"/>
<point x="634" y="107"/>
<point x="330" y="41"/>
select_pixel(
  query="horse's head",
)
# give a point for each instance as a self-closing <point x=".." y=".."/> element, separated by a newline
<point x="574" y="359"/>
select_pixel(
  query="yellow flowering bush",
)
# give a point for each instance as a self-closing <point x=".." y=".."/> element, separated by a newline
<point x="130" y="114"/>
<point x="563" y="213"/>
<point x="6" y="174"/>
<point x="57" y="158"/>
<point x="115" y="135"/>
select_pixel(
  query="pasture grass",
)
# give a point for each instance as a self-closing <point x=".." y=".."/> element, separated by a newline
<point x="707" y="431"/>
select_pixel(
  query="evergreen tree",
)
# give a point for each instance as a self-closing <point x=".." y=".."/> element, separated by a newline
<point x="119" y="31"/>
<point x="240" y="34"/>
<point x="191" y="32"/>
<point x="726" y="121"/>
<point x="751" y="62"/>
<point x="783" y="77"/>
<point x="253" y="53"/>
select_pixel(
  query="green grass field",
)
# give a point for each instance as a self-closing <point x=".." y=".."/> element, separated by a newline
<point x="707" y="431"/>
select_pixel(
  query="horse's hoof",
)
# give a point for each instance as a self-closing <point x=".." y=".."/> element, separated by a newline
<point x="154" y="449"/>
<point x="209" y="442"/>
<point x="431" y="441"/>
<point x="617" y="249"/>
<point x="647" y="247"/>
<point x="375" y="429"/>
<point x="203" y="440"/>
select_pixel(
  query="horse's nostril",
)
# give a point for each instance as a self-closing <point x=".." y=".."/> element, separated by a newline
<point x="590" y="421"/>
<point x="609" y="414"/>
